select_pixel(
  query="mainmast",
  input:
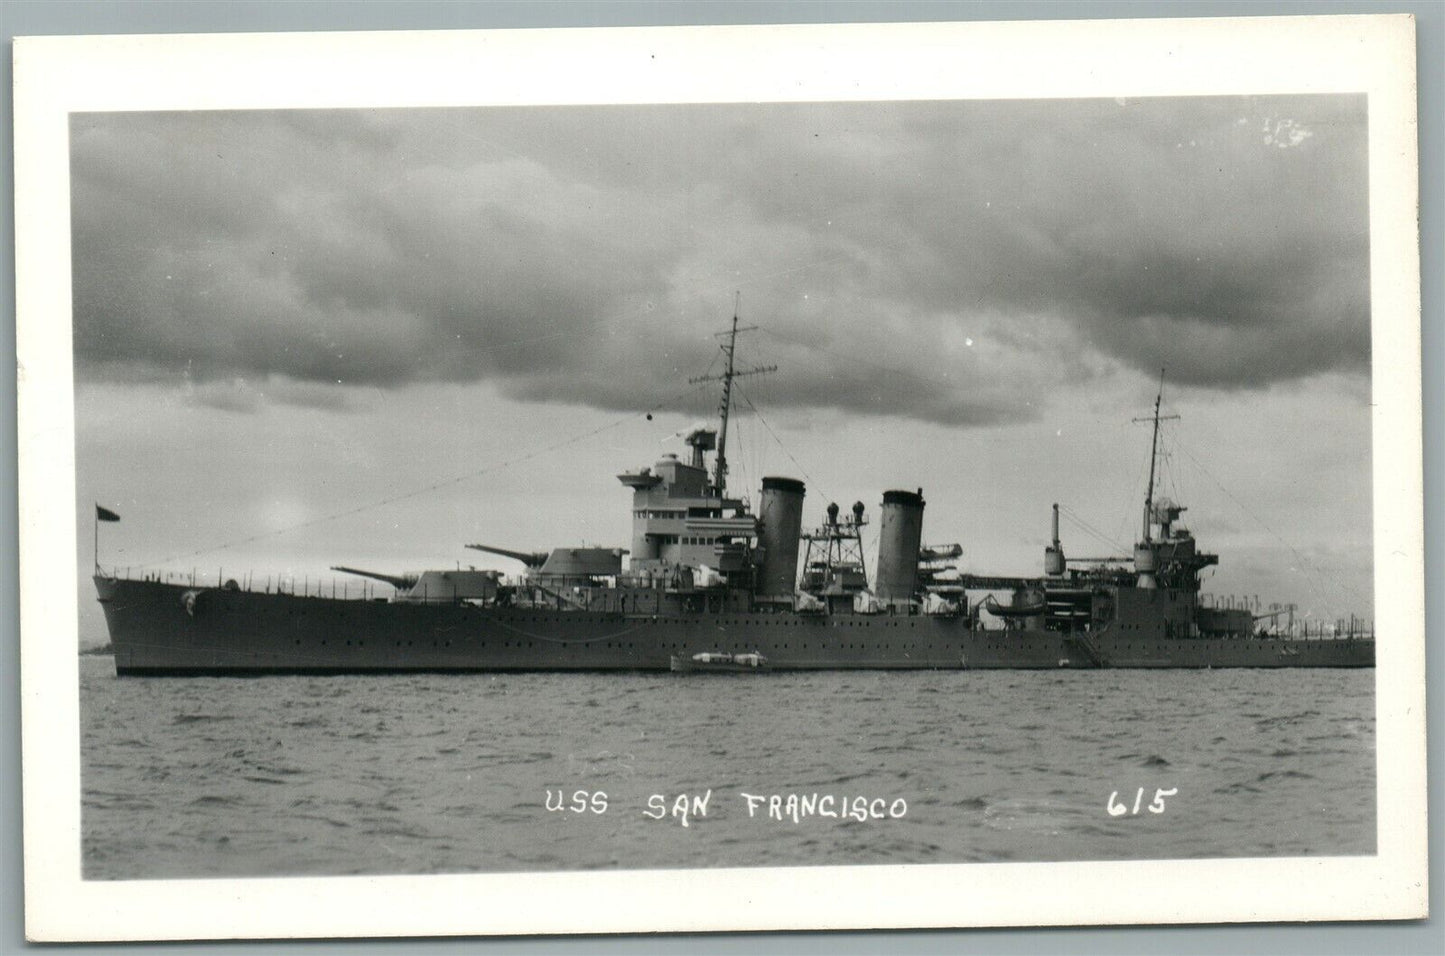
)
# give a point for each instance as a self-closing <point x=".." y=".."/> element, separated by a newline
<point x="725" y="405"/>
<point x="1153" y="460"/>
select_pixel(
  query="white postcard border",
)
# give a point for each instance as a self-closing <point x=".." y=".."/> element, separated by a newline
<point x="1006" y="60"/>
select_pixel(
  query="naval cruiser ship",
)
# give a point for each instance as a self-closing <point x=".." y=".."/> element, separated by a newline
<point x="707" y="579"/>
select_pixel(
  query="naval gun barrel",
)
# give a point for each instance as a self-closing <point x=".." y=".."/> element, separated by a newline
<point x="532" y="559"/>
<point x="402" y="582"/>
<point x="1269" y="614"/>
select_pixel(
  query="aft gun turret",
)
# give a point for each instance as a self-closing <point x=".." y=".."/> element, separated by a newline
<point x="402" y="582"/>
<point x="532" y="559"/>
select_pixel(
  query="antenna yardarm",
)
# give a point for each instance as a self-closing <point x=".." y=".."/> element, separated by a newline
<point x="725" y="405"/>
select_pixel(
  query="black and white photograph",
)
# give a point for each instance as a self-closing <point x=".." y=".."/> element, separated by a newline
<point x="768" y="489"/>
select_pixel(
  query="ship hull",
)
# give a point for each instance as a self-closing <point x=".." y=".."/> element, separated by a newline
<point x="159" y="628"/>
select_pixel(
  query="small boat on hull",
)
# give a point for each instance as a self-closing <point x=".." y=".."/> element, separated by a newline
<point x="719" y="663"/>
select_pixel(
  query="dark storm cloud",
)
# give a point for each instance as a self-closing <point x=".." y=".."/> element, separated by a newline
<point x="913" y="259"/>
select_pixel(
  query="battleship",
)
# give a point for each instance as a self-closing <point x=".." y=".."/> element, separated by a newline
<point x="710" y="584"/>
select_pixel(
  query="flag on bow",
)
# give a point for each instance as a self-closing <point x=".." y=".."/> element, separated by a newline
<point x="105" y="514"/>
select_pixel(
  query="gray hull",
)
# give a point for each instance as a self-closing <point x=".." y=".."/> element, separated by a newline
<point x="159" y="628"/>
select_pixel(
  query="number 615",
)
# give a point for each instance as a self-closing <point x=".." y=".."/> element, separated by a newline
<point x="1117" y="809"/>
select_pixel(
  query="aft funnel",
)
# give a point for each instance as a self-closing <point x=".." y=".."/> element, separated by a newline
<point x="900" y="534"/>
<point x="781" y="514"/>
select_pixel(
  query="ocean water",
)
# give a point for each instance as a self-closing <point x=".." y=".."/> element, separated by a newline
<point x="451" y="774"/>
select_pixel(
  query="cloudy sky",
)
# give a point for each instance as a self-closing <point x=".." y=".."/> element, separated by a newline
<point x="369" y="337"/>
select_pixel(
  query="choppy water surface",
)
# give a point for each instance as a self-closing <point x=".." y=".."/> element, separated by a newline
<point x="433" y="774"/>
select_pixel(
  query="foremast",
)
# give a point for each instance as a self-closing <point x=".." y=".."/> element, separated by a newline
<point x="682" y="516"/>
<point x="725" y="404"/>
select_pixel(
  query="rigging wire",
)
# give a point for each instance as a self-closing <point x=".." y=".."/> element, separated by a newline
<point x="764" y="422"/>
<point x="744" y="460"/>
<point x="1171" y="445"/>
<point x="1315" y="575"/>
<point x="435" y="486"/>
<point x="448" y="482"/>
<point x="691" y="414"/>
<point x="1074" y="516"/>
<point x="1133" y="497"/>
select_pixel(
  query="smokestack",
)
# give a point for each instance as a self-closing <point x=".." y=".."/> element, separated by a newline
<point x="781" y="515"/>
<point x="900" y="535"/>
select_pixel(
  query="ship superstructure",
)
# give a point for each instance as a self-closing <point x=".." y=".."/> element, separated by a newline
<point x="707" y="581"/>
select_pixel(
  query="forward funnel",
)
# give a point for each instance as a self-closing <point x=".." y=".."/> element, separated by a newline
<point x="781" y="515"/>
